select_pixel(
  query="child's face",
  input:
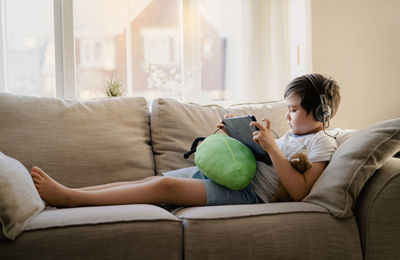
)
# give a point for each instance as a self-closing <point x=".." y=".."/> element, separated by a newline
<point x="297" y="117"/>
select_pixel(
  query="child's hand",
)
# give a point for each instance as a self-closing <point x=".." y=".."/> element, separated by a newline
<point x="263" y="136"/>
<point x="221" y="124"/>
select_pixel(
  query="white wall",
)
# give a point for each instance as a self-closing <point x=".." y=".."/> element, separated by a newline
<point x="358" y="43"/>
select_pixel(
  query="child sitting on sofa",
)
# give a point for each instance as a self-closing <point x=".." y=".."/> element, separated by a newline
<point x="312" y="100"/>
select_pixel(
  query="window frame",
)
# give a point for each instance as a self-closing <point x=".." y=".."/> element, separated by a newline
<point x="190" y="51"/>
<point x="190" y="58"/>
<point x="65" y="50"/>
<point x="64" y="45"/>
<point x="3" y="48"/>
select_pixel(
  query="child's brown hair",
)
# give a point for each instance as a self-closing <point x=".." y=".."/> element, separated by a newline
<point x="309" y="97"/>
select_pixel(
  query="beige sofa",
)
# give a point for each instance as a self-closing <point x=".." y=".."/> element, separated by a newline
<point x="119" y="139"/>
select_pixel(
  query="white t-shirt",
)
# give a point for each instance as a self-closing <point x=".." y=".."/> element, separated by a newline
<point x="318" y="146"/>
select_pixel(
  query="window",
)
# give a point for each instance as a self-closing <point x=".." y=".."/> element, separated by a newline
<point x="155" y="44"/>
<point x="219" y="38"/>
<point x="28" y="47"/>
<point x="100" y="45"/>
<point x="134" y="42"/>
<point x="203" y="51"/>
<point x="299" y="37"/>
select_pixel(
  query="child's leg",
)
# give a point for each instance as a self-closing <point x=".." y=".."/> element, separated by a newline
<point x="102" y="186"/>
<point x="115" y="184"/>
<point x="184" y="192"/>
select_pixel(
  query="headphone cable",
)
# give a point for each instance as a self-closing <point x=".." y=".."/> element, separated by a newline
<point x="323" y="128"/>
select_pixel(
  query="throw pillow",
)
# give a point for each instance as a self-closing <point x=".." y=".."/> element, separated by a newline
<point x="353" y="163"/>
<point x="20" y="201"/>
<point x="226" y="161"/>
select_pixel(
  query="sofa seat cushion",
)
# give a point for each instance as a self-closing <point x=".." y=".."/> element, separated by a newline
<point x="236" y="211"/>
<point x="78" y="143"/>
<point x="174" y="126"/>
<point x="111" y="232"/>
<point x="63" y="217"/>
<point x="293" y="230"/>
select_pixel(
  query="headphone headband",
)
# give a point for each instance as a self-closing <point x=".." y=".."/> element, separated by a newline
<point x="311" y="77"/>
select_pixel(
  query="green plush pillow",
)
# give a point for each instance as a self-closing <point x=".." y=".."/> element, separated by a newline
<point x="226" y="161"/>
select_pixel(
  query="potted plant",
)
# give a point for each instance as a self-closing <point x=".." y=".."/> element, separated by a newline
<point x="113" y="88"/>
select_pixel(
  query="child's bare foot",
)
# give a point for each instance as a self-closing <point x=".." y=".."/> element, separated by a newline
<point x="50" y="190"/>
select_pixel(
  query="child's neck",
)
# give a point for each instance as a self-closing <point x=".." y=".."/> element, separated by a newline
<point x="312" y="131"/>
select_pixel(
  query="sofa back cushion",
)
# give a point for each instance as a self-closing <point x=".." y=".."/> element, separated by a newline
<point x="78" y="143"/>
<point x="174" y="126"/>
<point x="274" y="111"/>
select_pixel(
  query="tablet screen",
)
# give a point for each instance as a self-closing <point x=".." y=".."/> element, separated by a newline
<point x="239" y="128"/>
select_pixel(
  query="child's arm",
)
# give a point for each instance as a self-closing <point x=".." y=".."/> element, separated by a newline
<point x="298" y="185"/>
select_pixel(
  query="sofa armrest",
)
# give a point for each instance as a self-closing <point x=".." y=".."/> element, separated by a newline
<point x="378" y="213"/>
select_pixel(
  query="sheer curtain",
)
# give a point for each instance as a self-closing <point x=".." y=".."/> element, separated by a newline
<point x="267" y="44"/>
<point x="277" y="46"/>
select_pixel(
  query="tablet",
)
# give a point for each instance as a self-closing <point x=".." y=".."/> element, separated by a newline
<point x="238" y="127"/>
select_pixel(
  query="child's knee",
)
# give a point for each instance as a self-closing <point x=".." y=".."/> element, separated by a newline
<point x="166" y="184"/>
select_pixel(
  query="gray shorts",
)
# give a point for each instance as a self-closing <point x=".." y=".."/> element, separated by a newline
<point x="217" y="194"/>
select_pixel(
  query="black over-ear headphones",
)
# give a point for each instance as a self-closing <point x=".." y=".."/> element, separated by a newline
<point x="323" y="112"/>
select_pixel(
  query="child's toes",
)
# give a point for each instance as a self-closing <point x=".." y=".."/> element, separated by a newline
<point x="36" y="176"/>
<point x="38" y="170"/>
<point x="36" y="182"/>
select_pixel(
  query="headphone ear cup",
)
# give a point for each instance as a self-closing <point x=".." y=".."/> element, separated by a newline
<point x="318" y="114"/>
<point x="322" y="112"/>
<point x="326" y="112"/>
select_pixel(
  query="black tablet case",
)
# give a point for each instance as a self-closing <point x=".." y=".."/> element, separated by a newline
<point x="239" y="128"/>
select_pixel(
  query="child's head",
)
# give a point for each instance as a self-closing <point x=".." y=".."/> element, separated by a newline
<point x="302" y="95"/>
